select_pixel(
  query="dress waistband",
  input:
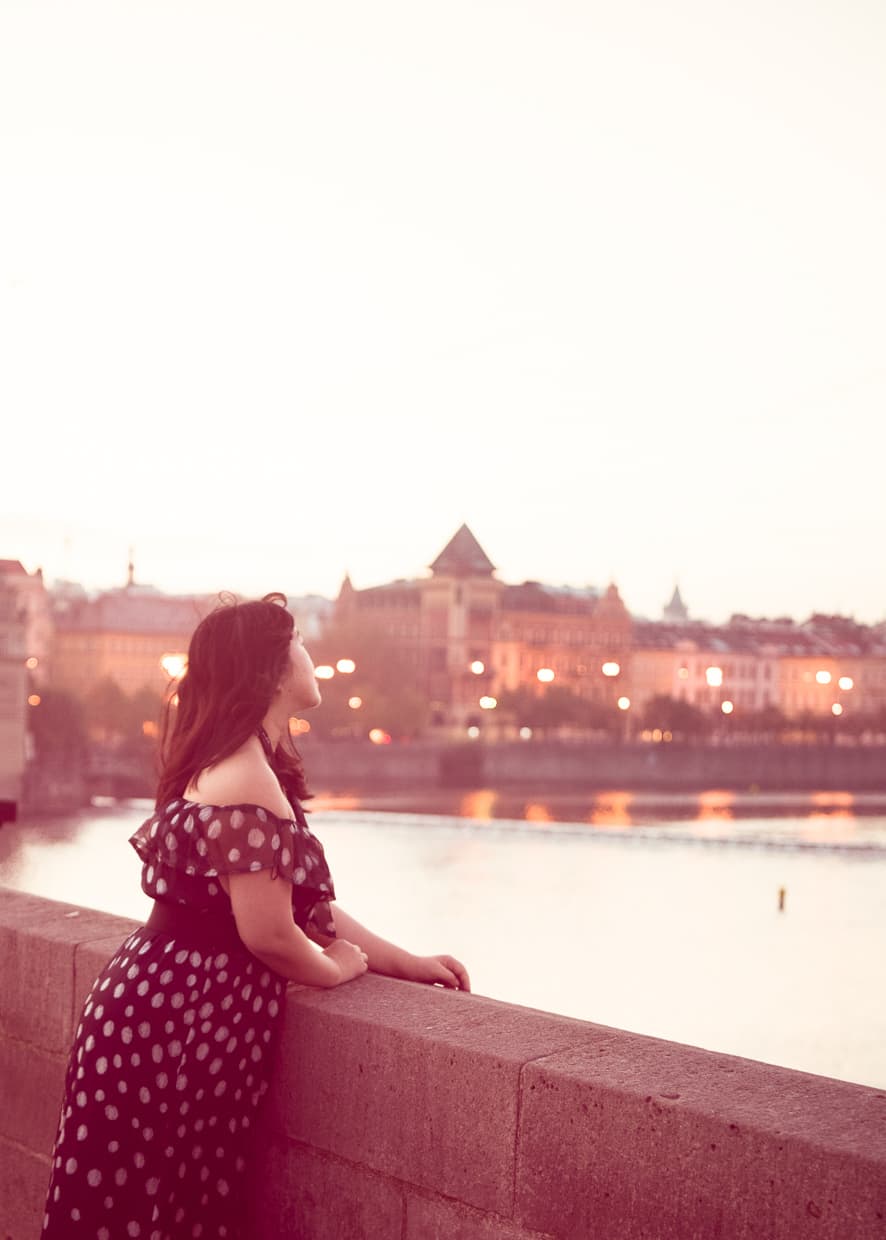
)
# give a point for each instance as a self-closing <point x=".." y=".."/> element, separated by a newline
<point x="206" y="929"/>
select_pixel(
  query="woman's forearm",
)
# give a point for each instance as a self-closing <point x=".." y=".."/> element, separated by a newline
<point x="384" y="957"/>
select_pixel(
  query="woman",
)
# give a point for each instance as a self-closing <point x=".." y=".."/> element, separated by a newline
<point x="172" y="1054"/>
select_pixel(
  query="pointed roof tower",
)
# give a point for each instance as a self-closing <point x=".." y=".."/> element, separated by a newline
<point x="463" y="557"/>
<point x="676" y="610"/>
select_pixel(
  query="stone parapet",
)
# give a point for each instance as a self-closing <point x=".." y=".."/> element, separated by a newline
<point x="408" y="1113"/>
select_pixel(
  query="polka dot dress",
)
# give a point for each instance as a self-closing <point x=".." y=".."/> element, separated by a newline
<point x="171" y="1057"/>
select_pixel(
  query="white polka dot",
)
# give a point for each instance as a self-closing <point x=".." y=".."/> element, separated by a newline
<point x="133" y="1229"/>
<point x="162" y="887"/>
<point x="234" y="854"/>
<point x="81" y="1099"/>
<point x="135" y="1059"/>
<point x="256" y="837"/>
<point x="126" y="1034"/>
<point x="111" y="1111"/>
<point x="71" y="1166"/>
<point x="285" y="856"/>
<point x="89" y="1043"/>
<point x="94" y="1177"/>
<point x="215" y="1067"/>
<point x="144" y="1029"/>
<point x="82" y="1132"/>
<point x="196" y="960"/>
<point x="117" y="1061"/>
<point x="152" y="1185"/>
<point x="166" y="977"/>
<point x="170" y="841"/>
<point x="108" y="1028"/>
<point x="118" y="990"/>
<point x="120" y="1176"/>
<point x="101" y="1065"/>
<point x="139" y="1159"/>
<point x="158" y="999"/>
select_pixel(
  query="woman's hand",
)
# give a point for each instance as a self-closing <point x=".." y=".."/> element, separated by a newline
<point x="350" y="960"/>
<point x="436" y="970"/>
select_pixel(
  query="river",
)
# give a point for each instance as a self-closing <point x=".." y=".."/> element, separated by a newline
<point x="654" y="914"/>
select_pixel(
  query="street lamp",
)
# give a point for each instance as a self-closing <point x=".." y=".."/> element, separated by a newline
<point x="545" y="675"/>
<point x="610" y="669"/>
<point x="346" y="666"/>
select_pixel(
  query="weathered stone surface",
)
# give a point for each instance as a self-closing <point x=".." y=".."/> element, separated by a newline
<point x="419" y="1083"/>
<point x="37" y="967"/>
<point x="32" y="1087"/>
<point x="432" y="1218"/>
<point x="24" y="1179"/>
<point x="314" y="1196"/>
<point x="636" y="1139"/>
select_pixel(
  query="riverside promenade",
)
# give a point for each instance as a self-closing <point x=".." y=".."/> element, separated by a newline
<point x="409" y="1113"/>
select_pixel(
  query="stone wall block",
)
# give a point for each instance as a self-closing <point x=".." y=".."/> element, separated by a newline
<point x="419" y="1083"/>
<point x="38" y="943"/>
<point x="32" y="1087"/>
<point x="635" y="1139"/>
<point x="434" y="1218"/>
<point x="24" y="1179"/>
<point x="302" y="1193"/>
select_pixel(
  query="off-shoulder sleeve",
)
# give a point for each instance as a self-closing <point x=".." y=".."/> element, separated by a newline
<point x="208" y="840"/>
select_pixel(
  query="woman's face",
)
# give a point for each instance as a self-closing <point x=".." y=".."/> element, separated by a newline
<point x="299" y="685"/>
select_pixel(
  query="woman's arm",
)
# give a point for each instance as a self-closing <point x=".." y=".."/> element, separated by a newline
<point x="385" y="957"/>
<point x="263" y="913"/>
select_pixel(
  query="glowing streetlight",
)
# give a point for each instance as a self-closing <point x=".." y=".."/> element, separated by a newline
<point x="545" y="675"/>
<point x="379" y="736"/>
<point x="624" y="703"/>
<point x="823" y="678"/>
<point x="846" y="682"/>
<point x="355" y="703"/>
<point x="174" y="665"/>
<point x="324" y="672"/>
<point x="836" y="709"/>
<point x="346" y="665"/>
<point x="298" y="727"/>
<point x="31" y="663"/>
<point x="727" y="707"/>
<point x="478" y="667"/>
<point x="473" y="731"/>
<point x="488" y="703"/>
<point x="525" y="734"/>
<point x="714" y="676"/>
<point x="610" y="669"/>
<point x="34" y="699"/>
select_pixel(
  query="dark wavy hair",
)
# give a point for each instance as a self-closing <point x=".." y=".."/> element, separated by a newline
<point x="236" y="658"/>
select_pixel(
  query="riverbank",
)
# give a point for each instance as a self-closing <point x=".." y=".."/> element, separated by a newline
<point x="533" y="767"/>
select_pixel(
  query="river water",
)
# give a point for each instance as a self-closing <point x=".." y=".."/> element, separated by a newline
<point x="654" y="914"/>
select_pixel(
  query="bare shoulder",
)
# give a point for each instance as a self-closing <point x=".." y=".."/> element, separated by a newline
<point x="243" y="778"/>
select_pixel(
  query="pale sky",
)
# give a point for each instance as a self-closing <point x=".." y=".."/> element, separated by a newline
<point x="289" y="290"/>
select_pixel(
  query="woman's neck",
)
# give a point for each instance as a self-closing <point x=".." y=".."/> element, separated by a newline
<point x="275" y="726"/>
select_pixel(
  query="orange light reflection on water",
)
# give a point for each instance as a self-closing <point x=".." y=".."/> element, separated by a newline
<point x="717" y="803"/>
<point x="611" y="809"/>
<point x="824" y="799"/>
<point x="478" y="804"/>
